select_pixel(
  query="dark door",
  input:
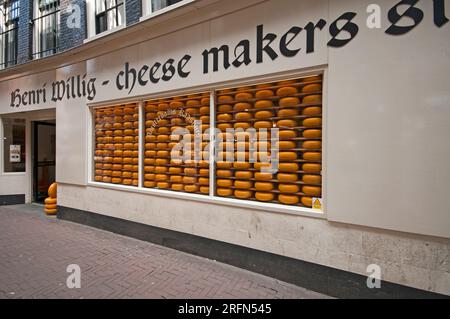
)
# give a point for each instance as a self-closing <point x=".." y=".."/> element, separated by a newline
<point x="43" y="159"/>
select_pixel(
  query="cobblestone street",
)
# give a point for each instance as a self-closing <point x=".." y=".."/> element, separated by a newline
<point x="35" y="251"/>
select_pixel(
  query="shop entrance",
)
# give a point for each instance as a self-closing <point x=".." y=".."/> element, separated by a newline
<point x="44" y="158"/>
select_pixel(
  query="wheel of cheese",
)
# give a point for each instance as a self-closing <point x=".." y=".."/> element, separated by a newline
<point x="163" y="154"/>
<point x="286" y="91"/>
<point x="204" y="189"/>
<point x="289" y="102"/>
<point x="312" y="133"/>
<point x="264" y="94"/>
<point x="263" y="176"/>
<point x="287" y="178"/>
<point x="263" y="104"/>
<point x="50" y="211"/>
<point x="150" y="138"/>
<point x="287" y="123"/>
<point x="161" y="161"/>
<point x="243" y="96"/>
<point x="189" y="180"/>
<point x="287" y="134"/>
<point x="109" y="159"/>
<point x="149" y="169"/>
<point x="50" y="207"/>
<point x="192" y="103"/>
<point x="241" y="194"/>
<point x="151" y="107"/>
<point x="98" y="178"/>
<point x="287" y="156"/>
<point x="128" y="125"/>
<point x="224" y="192"/>
<point x="127" y="181"/>
<point x="315" y="191"/>
<point x="172" y="105"/>
<point x="116" y="174"/>
<point x="225" y="108"/>
<point x="191" y="188"/>
<point x="264" y="197"/>
<point x="98" y="152"/>
<point x="224" y="183"/>
<point x="312" y="122"/>
<point x="150" y="153"/>
<point x="261" y="115"/>
<point x="118" y="132"/>
<point x="287" y="113"/>
<point x="224" y="126"/>
<point x="203" y="181"/>
<point x="162" y="146"/>
<point x="177" y="187"/>
<point x="160" y="169"/>
<point x="163" y="130"/>
<point x="223" y="99"/>
<point x="242" y="165"/>
<point x="150" y="146"/>
<point x="128" y="146"/>
<point x="242" y="125"/>
<point x="312" y="78"/>
<point x="205" y="100"/>
<point x="312" y="111"/>
<point x="243" y="184"/>
<point x="307" y="201"/>
<point x="224" y="165"/>
<point x="163" y="122"/>
<point x="107" y="166"/>
<point x="50" y="201"/>
<point x="243" y="116"/>
<point x="285" y="145"/>
<point x="263" y="124"/>
<point x="163" y="185"/>
<point x="98" y="165"/>
<point x="106" y="179"/>
<point x="160" y="177"/>
<point x="204" y="110"/>
<point x="311" y="167"/>
<point x="288" y="188"/>
<point x="263" y="186"/>
<point x="127" y="167"/>
<point x="149" y="184"/>
<point x="243" y="175"/>
<point x="312" y="156"/>
<point x="312" y="179"/>
<point x="149" y="161"/>
<point x="190" y="171"/>
<point x="204" y="172"/>
<point x="312" y="88"/>
<point x="241" y="106"/>
<point x="224" y="173"/>
<point x="288" y="167"/>
<point x="116" y="180"/>
<point x="288" y="199"/>
<point x="176" y="179"/>
<point x="259" y="166"/>
<point x="163" y="138"/>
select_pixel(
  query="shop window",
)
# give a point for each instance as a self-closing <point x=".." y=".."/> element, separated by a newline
<point x="108" y="14"/>
<point x="13" y="145"/>
<point x="117" y="145"/>
<point x="46" y="28"/>
<point x="176" y="144"/>
<point x="9" y="22"/>
<point x="270" y="145"/>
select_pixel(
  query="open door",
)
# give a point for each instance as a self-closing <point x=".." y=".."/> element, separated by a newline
<point x="44" y="160"/>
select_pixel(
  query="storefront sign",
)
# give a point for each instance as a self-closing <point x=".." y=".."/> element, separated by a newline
<point x="14" y="154"/>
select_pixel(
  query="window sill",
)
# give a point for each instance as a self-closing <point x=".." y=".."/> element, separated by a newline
<point x="165" y="10"/>
<point x="275" y="208"/>
<point x="105" y="33"/>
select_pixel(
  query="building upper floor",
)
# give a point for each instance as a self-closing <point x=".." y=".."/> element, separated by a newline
<point x="34" y="29"/>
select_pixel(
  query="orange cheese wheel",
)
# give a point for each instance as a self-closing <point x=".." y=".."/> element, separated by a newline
<point x="204" y="110"/>
<point x="204" y="172"/>
<point x="263" y="115"/>
<point x="286" y="145"/>
<point x="287" y="123"/>
<point x="204" y="189"/>
<point x="116" y="174"/>
<point x="287" y="156"/>
<point x="312" y="88"/>
<point x="289" y="102"/>
<point x="224" y="192"/>
<point x="287" y="90"/>
<point x="263" y="186"/>
<point x="312" y="78"/>
<point x="224" y="126"/>
<point x="189" y="180"/>
<point x="243" y="116"/>
<point x="310" y="167"/>
<point x="312" y="179"/>
<point x="127" y="174"/>
<point x="264" y="197"/>
<point x="243" y="184"/>
<point x="312" y="133"/>
<point x="264" y="94"/>
<point x="160" y="177"/>
<point x="50" y="211"/>
<point x="203" y="181"/>
<point x="243" y="175"/>
<point x="191" y="188"/>
<point x="116" y="180"/>
<point x="161" y="161"/>
<point x="224" y="183"/>
<point x="315" y="191"/>
<point x="287" y="82"/>
<point x="288" y="188"/>
<point x="149" y="161"/>
<point x="150" y="153"/>
<point x="50" y="201"/>
<point x="162" y="185"/>
<point x="160" y="169"/>
<point x="288" y="199"/>
<point x="176" y="179"/>
<point x="224" y="165"/>
<point x="286" y="178"/>
<point x="149" y="169"/>
<point x="242" y="165"/>
<point x="242" y="125"/>
<point x="149" y="184"/>
<point x="241" y="106"/>
<point x="224" y="173"/>
<point x="259" y="166"/>
<point x="288" y="167"/>
<point x="243" y="96"/>
<point x="106" y="179"/>
<point x="224" y="117"/>
<point x="177" y="187"/>
<point x="263" y="176"/>
<point x="307" y="201"/>
<point x="312" y="111"/>
<point x="312" y="156"/>
<point x="312" y="122"/>
<point x="242" y="194"/>
<point x="192" y="103"/>
<point x="287" y="134"/>
<point x="310" y="99"/>
<point x="50" y="206"/>
<point x="190" y="171"/>
<point x="263" y="104"/>
<point x="225" y="108"/>
<point x="163" y="138"/>
<point x="52" y="190"/>
<point x="263" y="124"/>
<point x="150" y="146"/>
<point x="286" y="113"/>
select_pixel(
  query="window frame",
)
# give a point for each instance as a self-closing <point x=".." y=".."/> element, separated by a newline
<point x="211" y="198"/>
<point x="37" y="51"/>
<point x="148" y="13"/>
<point x="2" y="146"/>
<point x="9" y="27"/>
<point x="116" y="7"/>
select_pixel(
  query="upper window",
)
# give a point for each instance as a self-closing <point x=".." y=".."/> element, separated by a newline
<point x="14" y="145"/>
<point x="9" y="20"/>
<point x="151" y="6"/>
<point x="108" y="14"/>
<point x="46" y="28"/>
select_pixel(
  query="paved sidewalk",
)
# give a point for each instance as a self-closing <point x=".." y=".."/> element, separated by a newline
<point x="35" y="251"/>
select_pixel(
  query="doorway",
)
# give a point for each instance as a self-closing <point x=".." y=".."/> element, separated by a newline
<point x="44" y="158"/>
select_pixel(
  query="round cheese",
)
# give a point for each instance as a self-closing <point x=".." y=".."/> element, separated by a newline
<point x="241" y="194"/>
<point x="311" y="167"/>
<point x="263" y="186"/>
<point x="264" y="197"/>
<point x="204" y="189"/>
<point x="242" y="125"/>
<point x="242" y="106"/>
<point x="149" y="184"/>
<point x="287" y="134"/>
<point x="287" y="178"/>
<point x="225" y="108"/>
<point x="307" y="201"/>
<point x="286" y="123"/>
<point x="312" y="156"/>
<point x="203" y="181"/>
<point x="288" y="167"/>
<point x="312" y="111"/>
<point x="116" y="180"/>
<point x="288" y="199"/>
<point x="224" y="173"/>
<point x="312" y="78"/>
<point x="243" y="184"/>
<point x="191" y="188"/>
<point x="263" y="115"/>
<point x="224" y="126"/>
<point x="310" y="88"/>
<point x="312" y="179"/>
<point x="162" y="185"/>
<point x="287" y="90"/>
<point x="224" y="192"/>
<point x="176" y="179"/>
<point x="243" y="175"/>
<point x="263" y="104"/>
<point x="286" y="82"/>
<point x="160" y="169"/>
<point x="149" y="169"/>
<point x="160" y="177"/>
<point x="243" y="116"/>
<point x="50" y="207"/>
<point x="224" y="165"/>
<point x="289" y="102"/>
<point x="286" y="113"/>
<point x="177" y="187"/>
<point x="224" y="117"/>
<point x="288" y="188"/>
<point x="312" y="133"/>
<point x="244" y="96"/>
<point x="204" y="172"/>
<point x="286" y="145"/>
<point x="312" y="122"/>
<point x="224" y="183"/>
<point x="287" y="156"/>
<point x="189" y="179"/>
<point x="50" y="201"/>
<point x="263" y="124"/>
<point x="263" y="176"/>
<point x="264" y="94"/>
<point x="50" y="211"/>
<point x="242" y="165"/>
<point x="315" y="191"/>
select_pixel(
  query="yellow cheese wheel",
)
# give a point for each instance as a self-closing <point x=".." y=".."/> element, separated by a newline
<point x="244" y="96"/>
<point x="225" y="108"/>
<point x="177" y="187"/>
<point x="312" y="78"/>
<point x="224" y="173"/>
<point x="204" y="172"/>
<point x="242" y="125"/>
<point x="312" y="133"/>
<point x="259" y="166"/>
<point x="312" y="99"/>
<point x="310" y="167"/>
<point x="289" y="102"/>
<point x="288" y="167"/>
<point x="312" y="179"/>
<point x="190" y="171"/>
<point x="149" y="169"/>
<point x="312" y="111"/>
<point x="287" y="156"/>
<point x="149" y="184"/>
<point x="307" y="201"/>
<point x="172" y="105"/>
<point x="264" y="86"/>
<point x="264" y="94"/>
<point x="224" y="165"/>
<point x="224" y="126"/>
<point x="263" y="176"/>
<point x="50" y="211"/>
<point x="150" y="146"/>
<point x="191" y="188"/>
<point x="264" y="197"/>
<point x="288" y="199"/>
<point x="176" y="179"/>
<point x="224" y="183"/>
<point x="312" y="88"/>
<point x="106" y="179"/>
<point x="286" y="178"/>
<point x="263" y="124"/>
<point x="243" y="184"/>
<point x="288" y="188"/>
<point x="312" y="122"/>
<point x="192" y="103"/>
<point x="149" y="161"/>
<point x="224" y="192"/>
<point x="263" y="104"/>
<point x="312" y="156"/>
<point x="161" y="161"/>
<point x="287" y="123"/>
<point x="243" y="116"/>
<point x="116" y="180"/>
<point x="160" y="169"/>
<point x="50" y="206"/>
<point x="287" y="134"/>
<point x="151" y="107"/>
<point x="204" y="189"/>
<point x="203" y="181"/>
<point x="263" y="186"/>
<point x="189" y="180"/>
<point x="160" y="177"/>
<point x="241" y="106"/>
<point x="224" y="117"/>
<point x="286" y="113"/>
<point x="315" y="191"/>
<point x="242" y="165"/>
<point x="163" y="138"/>
<point x="287" y="90"/>
<point x="243" y="175"/>
<point x="116" y="174"/>
<point x="286" y="145"/>
<point x="50" y="201"/>
<point x="243" y="194"/>
<point x="263" y="115"/>
<point x="162" y="185"/>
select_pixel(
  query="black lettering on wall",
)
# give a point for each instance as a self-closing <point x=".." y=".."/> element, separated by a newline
<point x="439" y="13"/>
<point x="310" y="34"/>
<point x="215" y="53"/>
<point x="261" y="48"/>
<point x="58" y="90"/>
<point x="15" y="98"/>
<point x="287" y="39"/>
<point x="412" y="12"/>
<point x="244" y="56"/>
<point x="153" y="71"/>
<point x="168" y="70"/>
<point x="182" y="64"/>
<point x="349" y="27"/>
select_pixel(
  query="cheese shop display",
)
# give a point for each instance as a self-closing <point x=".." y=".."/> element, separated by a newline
<point x="182" y="120"/>
<point x="294" y="107"/>
<point x="116" y="155"/>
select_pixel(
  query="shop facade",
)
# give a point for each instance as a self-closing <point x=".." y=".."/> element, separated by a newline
<point x="357" y="109"/>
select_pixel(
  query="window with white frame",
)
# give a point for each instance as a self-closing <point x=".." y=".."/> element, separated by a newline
<point x="9" y="20"/>
<point x="109" y="14"/>
<point x="151" y="6"/>
<point x="46" y="28"/>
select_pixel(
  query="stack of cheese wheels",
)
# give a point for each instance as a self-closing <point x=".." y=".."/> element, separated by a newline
<point x="292" y="106"/>
<point x="117" y="144"/>
<point x="168" y="164"/>
<point x="50" y="202"/>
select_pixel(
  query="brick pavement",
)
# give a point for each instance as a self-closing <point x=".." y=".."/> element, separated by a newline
<point x="35" y="251"/>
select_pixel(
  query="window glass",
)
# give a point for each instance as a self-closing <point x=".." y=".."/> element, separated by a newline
<point x="270" y="145"/>
<point x="161" y="4"/>
<point x="9" y="18"/>
<point x="46" y="26"/>
<point x="14" y="145"/>
<point x="108" y="14"/>
<point x="117" y="145"/>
